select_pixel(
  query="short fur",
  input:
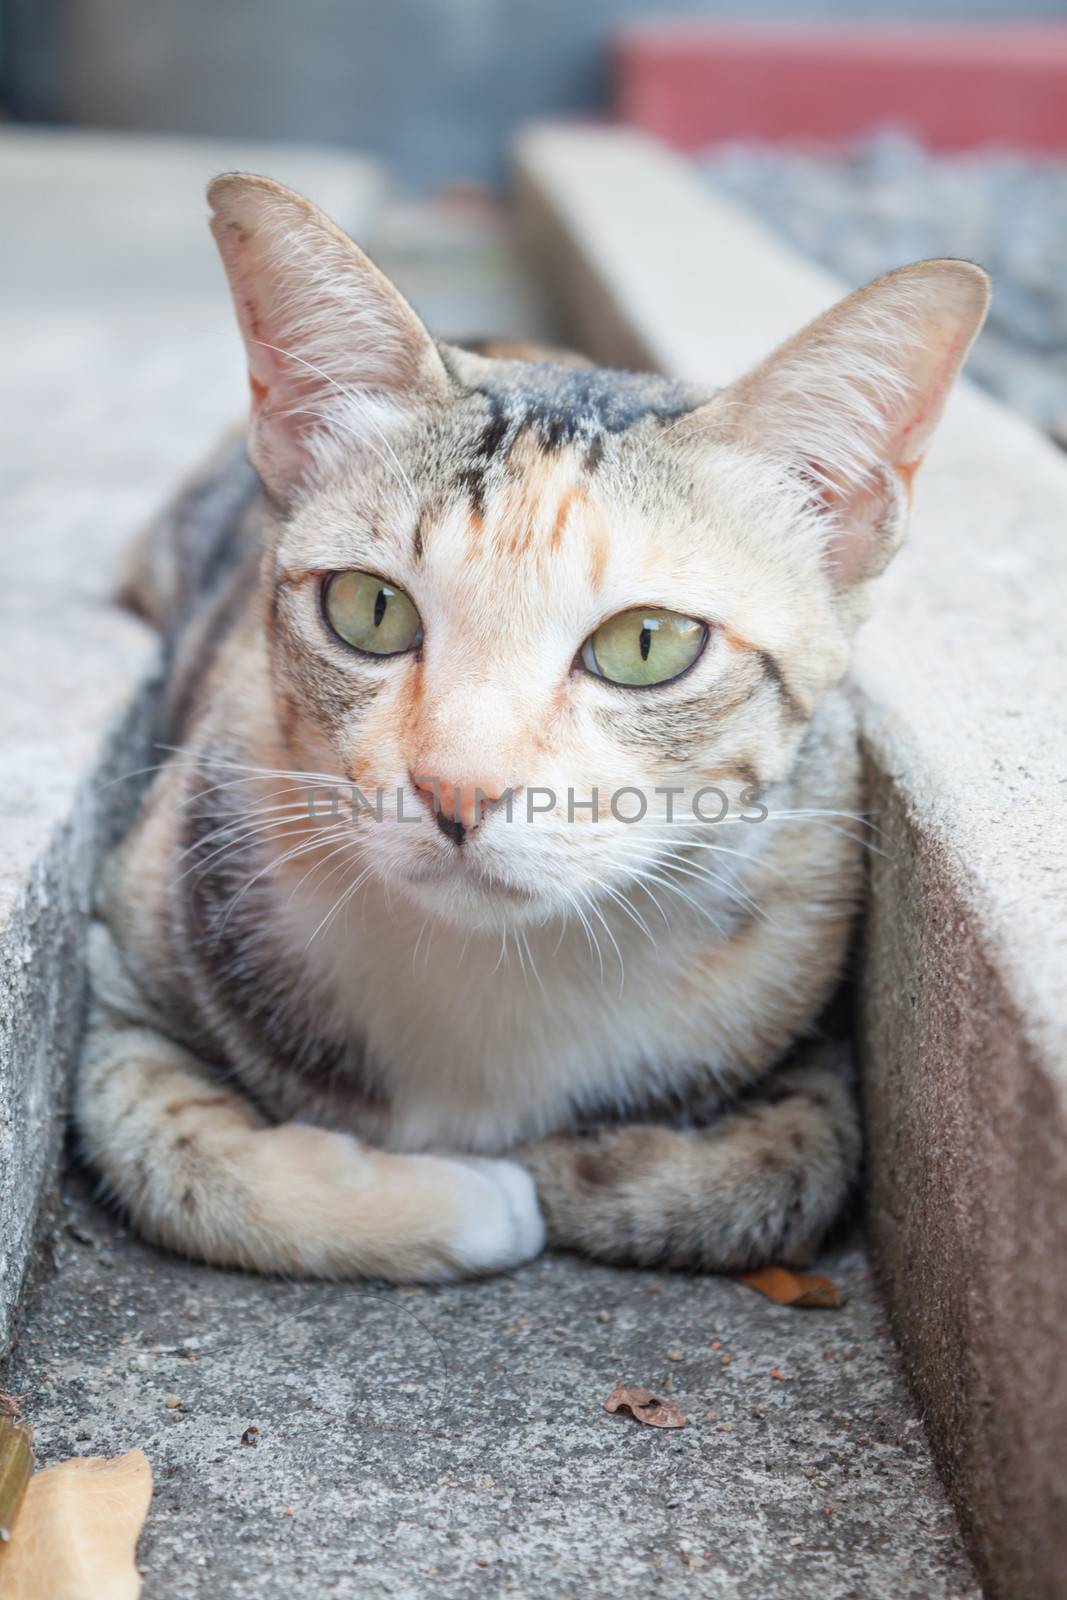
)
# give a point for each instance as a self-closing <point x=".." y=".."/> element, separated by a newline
<point x="343" y="1045"/>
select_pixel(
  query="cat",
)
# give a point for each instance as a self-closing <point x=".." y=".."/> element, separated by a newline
<point x="360" y="1005"/>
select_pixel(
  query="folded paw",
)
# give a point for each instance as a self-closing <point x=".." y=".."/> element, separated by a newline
<point x="501" y="1222"/>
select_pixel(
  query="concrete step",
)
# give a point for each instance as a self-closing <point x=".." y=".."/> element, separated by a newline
<point x="121" y="368"/>
<point x="452" y="1442"/>
<point x="961" y="675"/>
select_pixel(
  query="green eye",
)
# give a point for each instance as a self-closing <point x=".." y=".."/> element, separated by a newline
<point x="369" y="614"/>
<point x="644" y="647"/>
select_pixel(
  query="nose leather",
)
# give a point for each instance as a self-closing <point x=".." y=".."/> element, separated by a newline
<point x="458" y="807"/>
<point x="450" y="827"/>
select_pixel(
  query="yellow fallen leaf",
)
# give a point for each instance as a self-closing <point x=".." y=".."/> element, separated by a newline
<point x="77" y="1530"/>
<point x="803" y="1290"/>
<point x="16" y="1470"/>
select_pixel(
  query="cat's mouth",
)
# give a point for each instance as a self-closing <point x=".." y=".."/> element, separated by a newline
<point x="471" y="881"/>
<point x="472" y="877"/>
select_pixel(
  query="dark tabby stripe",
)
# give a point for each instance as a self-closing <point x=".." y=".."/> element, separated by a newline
<point x="271" y="1031"/>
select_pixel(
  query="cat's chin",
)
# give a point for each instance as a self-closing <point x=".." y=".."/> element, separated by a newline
<point x="477" y="904"/>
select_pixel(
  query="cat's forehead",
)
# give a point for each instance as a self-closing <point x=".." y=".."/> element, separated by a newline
<point x="566" y="403"/>
<point x="533" y="466"/>
<point x="539" y="423"/>
<point x="537" y="453"/>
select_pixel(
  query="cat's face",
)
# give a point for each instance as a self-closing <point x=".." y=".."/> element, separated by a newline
<point x="497" y="579"/>
<point x="529" y="544"/>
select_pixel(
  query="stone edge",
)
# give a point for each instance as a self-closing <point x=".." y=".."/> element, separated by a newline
<point x="42" y="980"/>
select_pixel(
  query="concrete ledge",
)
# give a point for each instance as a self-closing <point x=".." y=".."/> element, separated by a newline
<point x="961" y="678"/>
<point x="122" y="369"/>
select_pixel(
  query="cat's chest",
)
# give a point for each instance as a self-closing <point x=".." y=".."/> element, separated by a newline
<point x="481" y="1047"/>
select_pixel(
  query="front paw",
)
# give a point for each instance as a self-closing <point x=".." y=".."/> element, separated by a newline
<point x="501" y="1223"/>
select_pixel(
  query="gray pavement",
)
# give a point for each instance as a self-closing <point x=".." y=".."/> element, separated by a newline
<point x="452" y="1441"/>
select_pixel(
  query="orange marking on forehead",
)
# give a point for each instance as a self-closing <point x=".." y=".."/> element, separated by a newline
<point x="527" y="502"/>
<point x="526" y="517"/>
<point x="422" y="528"/>
<point x="570" y="498"/>
<point x="474" y="530"/>
<point x="598" y="555"/>
<point x="472" y="484"/>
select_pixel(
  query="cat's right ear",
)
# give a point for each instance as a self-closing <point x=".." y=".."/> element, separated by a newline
<point x="335" y="353"/>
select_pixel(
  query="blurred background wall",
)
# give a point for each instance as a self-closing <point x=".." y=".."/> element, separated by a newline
<point x="432" y="85"/>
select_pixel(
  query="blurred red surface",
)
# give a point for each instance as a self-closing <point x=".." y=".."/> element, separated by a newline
<point x="953" y="87"/>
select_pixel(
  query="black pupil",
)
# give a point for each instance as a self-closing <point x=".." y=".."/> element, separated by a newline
<point x="380" y="603"/>
<point x="646" y="641"/>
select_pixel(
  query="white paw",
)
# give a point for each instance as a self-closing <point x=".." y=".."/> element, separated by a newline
<point x="502" y="1223"/>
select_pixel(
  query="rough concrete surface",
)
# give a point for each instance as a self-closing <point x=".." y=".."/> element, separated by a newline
<point x="961" y="675"/>
<point x="968" y="1173"/>
<point x="42" y="978"/>
<point x="452" y="1442"/>
<point x="121" y="368"/>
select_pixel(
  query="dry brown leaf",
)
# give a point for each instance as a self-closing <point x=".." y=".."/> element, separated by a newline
<point x="645" y="1406"/>
<point x="77" y="1531"/>
<point x="802" y="1290"/>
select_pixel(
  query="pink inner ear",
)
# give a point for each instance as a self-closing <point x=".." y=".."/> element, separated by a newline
<point x="868" y="520"/>
<point x="938" y="368"/>
<point x="869" y="516"/>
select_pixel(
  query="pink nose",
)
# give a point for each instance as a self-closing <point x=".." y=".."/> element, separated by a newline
<point x="462" y="803"/>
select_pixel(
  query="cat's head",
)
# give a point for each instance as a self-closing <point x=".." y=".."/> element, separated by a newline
<point x="548" y="579"/>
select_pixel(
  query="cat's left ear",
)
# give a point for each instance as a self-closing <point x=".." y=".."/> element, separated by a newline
<point x="854" y="398"/>
<point x="334" y="351"/>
